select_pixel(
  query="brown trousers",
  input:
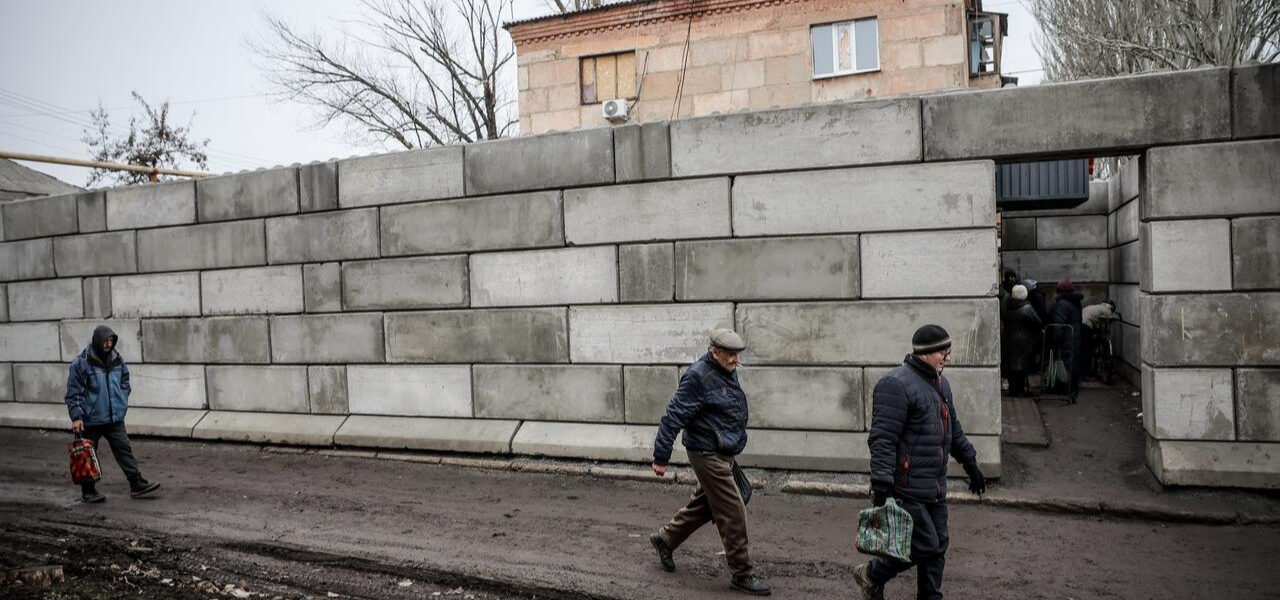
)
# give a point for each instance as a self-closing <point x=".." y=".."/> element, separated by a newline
<point x="716" y="498"/>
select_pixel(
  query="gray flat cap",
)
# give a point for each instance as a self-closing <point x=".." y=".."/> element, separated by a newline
<point x="727" y="339"/>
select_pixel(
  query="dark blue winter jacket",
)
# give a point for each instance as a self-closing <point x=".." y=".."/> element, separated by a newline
<point x="98" y="383"/>
<point x="710" y="407"/>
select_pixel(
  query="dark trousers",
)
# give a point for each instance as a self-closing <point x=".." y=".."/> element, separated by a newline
<point x="929" y="540"/>
<point x="118" y="439"/>
<point x="716" y="498"/>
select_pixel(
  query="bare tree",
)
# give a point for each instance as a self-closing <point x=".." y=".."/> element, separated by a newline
<point x="152" y="143"/>
<point x="420" y="72"/>
<point x="568" y="6"/>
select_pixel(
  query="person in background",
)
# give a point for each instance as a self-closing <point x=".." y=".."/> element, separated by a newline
<point x="1067" y="311"/>
<point x="1019" y="340"/>
<point x="1093" y="318"/>
<point x="1039" y="303"/>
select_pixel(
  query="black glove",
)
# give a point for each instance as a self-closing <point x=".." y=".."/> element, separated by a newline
<point x="879" y="493"/>
<point x="977" y="483"/>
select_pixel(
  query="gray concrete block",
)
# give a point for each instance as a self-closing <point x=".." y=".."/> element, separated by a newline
<point x="112" y="253"/>
<point x="644" y="334"/>
<point x="1064" y="233"/>
<point x="261" y="389"/>
<point x="1082" y="116"/>
<point x="646" y="273"/>
<point x="642" y="152"/>
<point x="410" y="390"/>
<point x="662" y="210"/>
<point x="212" y="246"/>
<point x="322" y="287"/>
<point x="1258" y="404"/>
<point x="1131" y="173"/>
<point x="233" y="340"/>
<point x="6" y="382"/>
<point x="163" y="422"/>
<point x="91" y="211"/>
<point x="426" y="282"/>
<point x="167" y="386"/>
<point x="1255" y="253"/>
<point x="540" y="162"/>
<point x="42" y="383"/>
<point x="647" y="391"/>
<point x="424" y="433"/>
<point x="531" y="278"/>
<point x="1051" y="266"/>
<point x="163" y="295"/>
<point x="34" y="416"/>
<point x="426" y="174"/>
<point x="269" y="428"/>
<point x="1126" y="263"/>
<point x="75" y="336"/>
<point x="29" y="342"/>
<point x="804" y="397"/>
<point x="1187" y="255"/>
<point x="524" y="335"/>
<point x="257" y="290"/>
<point x="497" y="223"/>
<point x="4" y="303"/>
<point x="40" y="217"/>
<point x="592" y="441"/>
<point x="1127" y="305"/>
<point x="1237" y="176"/>
<point x="865" y="333"/>
<point x="327" y="390"/>
<point x="340" y="235"/>
<point x="151" y="205"/>
<point x="975" y="391"/>
<point x="1127" y="224"/>
<point x="1218" y="464"/>
<point x="590" y="393"/>
<point x="807" y="451"/>
<point x="1131" y="344"/>
<point x="828" y="135"/>
<point x="1017" y="234"/>
<point x="261" y="193"/>
<point x="1255" y="94"/>
<point x="767" y="268"/>
<point x="905" y="265"/>
<point x="32" y="259"/>
<point x="318" y="187"/>
<point x="346" y="338"/>
<point x="1188" y="329"/>
<point x="1191" y="404"/>
<point x="46" y="300"/>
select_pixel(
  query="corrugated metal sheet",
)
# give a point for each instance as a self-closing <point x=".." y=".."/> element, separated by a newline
<point x="1042" y="184"/>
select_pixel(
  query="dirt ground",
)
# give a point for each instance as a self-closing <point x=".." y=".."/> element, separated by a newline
<point x="307" y="526"/>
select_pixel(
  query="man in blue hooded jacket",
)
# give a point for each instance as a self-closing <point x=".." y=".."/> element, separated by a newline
<point x="97" y="399"/>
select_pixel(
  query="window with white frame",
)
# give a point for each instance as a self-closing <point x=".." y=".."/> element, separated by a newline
<point x="844" y="48"/>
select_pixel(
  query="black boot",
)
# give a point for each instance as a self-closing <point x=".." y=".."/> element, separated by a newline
<point x="664" y="552"/>
<point x="89" y="493"/>
<point x="141" y="487"/>
<point x="751" y="585"/>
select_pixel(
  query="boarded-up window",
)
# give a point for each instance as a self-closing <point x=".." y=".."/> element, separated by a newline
<point x="608" y="77"/>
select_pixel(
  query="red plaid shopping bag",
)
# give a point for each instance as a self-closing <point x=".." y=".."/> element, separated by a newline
<point x="84" y="461"/>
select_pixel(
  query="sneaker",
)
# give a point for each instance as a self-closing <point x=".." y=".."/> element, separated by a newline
<point x="751" y="585"/>
<point x="91" y="496"/>
<point x="142" y="487"/>
<point x="664" y="552"/>
<point x="870" y="591"/>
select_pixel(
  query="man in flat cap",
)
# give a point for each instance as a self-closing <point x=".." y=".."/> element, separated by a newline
<point x="711" y="408"/>
<point x="914" y="428"/>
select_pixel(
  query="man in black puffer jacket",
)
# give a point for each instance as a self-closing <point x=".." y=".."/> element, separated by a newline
<point x="914" y="429"/>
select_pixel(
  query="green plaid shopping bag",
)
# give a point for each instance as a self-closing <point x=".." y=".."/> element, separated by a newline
<point x="885" y="531"/>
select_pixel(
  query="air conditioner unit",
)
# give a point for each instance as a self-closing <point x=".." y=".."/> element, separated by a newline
<point x="615" y="110"/>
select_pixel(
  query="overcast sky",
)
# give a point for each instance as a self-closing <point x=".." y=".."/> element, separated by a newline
<point x="62" y="57"/>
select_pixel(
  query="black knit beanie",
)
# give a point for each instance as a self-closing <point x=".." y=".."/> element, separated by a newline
<point x="929" y="339"/>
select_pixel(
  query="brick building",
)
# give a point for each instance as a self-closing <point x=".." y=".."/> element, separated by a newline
<point x="681" y="58"/>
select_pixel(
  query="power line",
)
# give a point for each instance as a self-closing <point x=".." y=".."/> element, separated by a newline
<point x="27" y="139"/>
<point x="125" y="107"/>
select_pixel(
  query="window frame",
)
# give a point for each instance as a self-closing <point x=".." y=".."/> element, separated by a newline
<point x="635" y="85"/>
<point x="997" y="44"/>
<point x="835" y="48"/>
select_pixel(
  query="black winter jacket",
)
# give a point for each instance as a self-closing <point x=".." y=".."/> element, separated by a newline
<point x="1068" y="310"/>
<point x="1020" y="338"/>
<point x="710" y="407"/>
<point x="913" y="429"/>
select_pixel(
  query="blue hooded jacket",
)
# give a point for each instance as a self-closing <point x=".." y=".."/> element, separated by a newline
<point x="710" y="407"/>
<point x="98" y="383"/>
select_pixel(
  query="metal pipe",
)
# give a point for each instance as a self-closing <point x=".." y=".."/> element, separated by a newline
<point x="76" y="162"/>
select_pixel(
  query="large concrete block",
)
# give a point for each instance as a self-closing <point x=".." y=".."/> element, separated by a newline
<point x="34" y="416"/>
<point x="1255" y="253"/>
<point x="568" y="276"/>
<point x="1126" y="297"/>
<point x="644" y="334"/>
<point x="767" y="268"/>
<point x="1239" y="177"/>
<point x="1127" y="224"/>
<point x="46" y="300"/>
<point x="423" y="433"/>
<point x="340" y="235"/>
<point x="866" y="333"/>
<point x="6" y="382"/>
<point x="549" y="392"/>
<point x="646" y="273"/>
<point x="259" y="290"/>
<point x="905" y="265"/>
<point x="346" y="338"/>
<point x="262" y="193"/>
<point x="1187" y="255"/>
<point x="32" y="259"/>
<point x="97" y="297"/>
<point x="1131" y="173"/>
<point x="111" y="253"/>
<point x="91" y="211"/>
<point x="426" y="282"/>
<point x="663" y="210"/>
<point x="75" y="336"/>
<point x="40" y="217"/>
<point x="1255" y="94"/>
<point x="318" y="186"/>
<point x="830" y="135"/>
<point x="497" y="223"/>
<point x="1191" y="404"/>
<point x="522" y="335"/>
<point x="1126" y="263"/>
<point x="163" y="422"/>
<point x="210" y="340"/>
<point x="322" y="287"/>
<point x="421" y="391"/>
<point x="1017" y="234"/>
<point x="1083" y="116"/>
<point x="1211" y="329"/>
<point x="804" y="397"/>
<point x="29" y="342"/>
<point x="4" y="303"/>
<point x="540" y="162"/>
<point x="327" y="388"/>
<point x="807" y="450"/>
<point x="213" y="246"/>
<point x="167" y="386"/>
<point x="591" y="441"/>
<point x="269" y="428"/>
<point x="262" y="389"/>
<point x="647" y="391"/>
<point x="164" y="295"/>
<point x="975" y="391"/>
<point x="1218" y="464"/>
<point x="411" y="176"/>
<point x="642" y="152"/>
<point x="151" y="205"/>
<point x="1063" y="233"/>
<point x="39" y="382"/>
<point x="1055" y="265"/>
<point x="1258" y="404"/>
